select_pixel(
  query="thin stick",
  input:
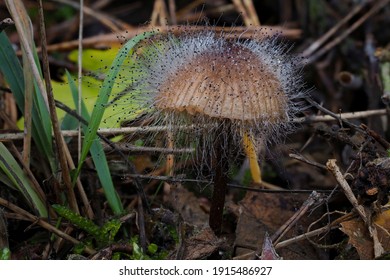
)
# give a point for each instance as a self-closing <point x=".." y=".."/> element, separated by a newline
<point x="252" y="12"/>
<point x="146" y="129"/>
<point x="53" y="114"/>
<point x="159" y="14"/>
<point x="172" y="11"/>
<point x="144" y="149"/>
<point x="305" y="160"/>
<point x="28" y="105"/>
<point x="304" y="236"/>
<point x="376" y="136"/>
<point x="247" y="11"/>
<point x="80" y="74"/>
<point x="379" y="5"/>
<point x="313" y="198"/>
<point x="319" y="42"/>
<point x="334" y="169"/>
<point x="233" y="32"/>
<point x="349" y="115"/>
<point x="334" y="115"/>
<point x="15" y="7"/>
<point x="104" y="18"/>
<point x="235" y="186"/>
<point x="28" y="98"/>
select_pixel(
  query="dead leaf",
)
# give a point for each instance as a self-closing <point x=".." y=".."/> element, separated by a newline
<point x="382" y="223"/>
<point x="188" y="206"/>
<point x="202" y="245"/>
<point x="266" y="212"/>
<point x="359" y="236"/>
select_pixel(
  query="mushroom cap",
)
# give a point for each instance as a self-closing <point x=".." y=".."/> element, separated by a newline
<point x="230" y="84"/>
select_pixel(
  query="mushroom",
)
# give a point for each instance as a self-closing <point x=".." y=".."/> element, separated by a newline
<point x="227" y="90"/>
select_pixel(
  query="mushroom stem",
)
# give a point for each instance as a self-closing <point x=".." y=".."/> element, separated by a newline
<point x="221" y="167"/>
<point x="250" y="151"/>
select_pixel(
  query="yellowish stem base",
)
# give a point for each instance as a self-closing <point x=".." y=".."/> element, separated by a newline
<point x="250" y="151"/>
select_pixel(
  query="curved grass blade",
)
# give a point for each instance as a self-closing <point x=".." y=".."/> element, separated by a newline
<point x="103" y="97"/>
<point x="24" y="28"/>
<point x="14" y="172"/>
<point x="13" y="74"/>
<point x="98" y="156"/>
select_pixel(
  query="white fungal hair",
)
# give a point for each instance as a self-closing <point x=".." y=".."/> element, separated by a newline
<point x="216" y="85"/>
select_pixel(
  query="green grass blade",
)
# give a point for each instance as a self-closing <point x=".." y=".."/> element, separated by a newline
<point x="104" y="95"/>
<point x="13" y="74"/>
<point x="69" y="123"/>
<point x="104" y="175"/>
<point x="42" y="107"/>
<point x="98" y="157"/>
<point x="14" y="172"/>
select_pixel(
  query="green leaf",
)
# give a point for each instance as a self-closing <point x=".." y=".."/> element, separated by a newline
<point x="20" y="181"/>
<point x="5" y="254"/>
<point x="104" y="175"/>
<point x="138" y="253"/>
<point x="13" y="74"/>
<point x="99" y="157"/>
<point x="110" y="229"/>
<point x="104" y="95"/>
<point x="152" y="248"/>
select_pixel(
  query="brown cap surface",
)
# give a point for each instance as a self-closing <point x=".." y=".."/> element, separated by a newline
<point x="234" y="84"/>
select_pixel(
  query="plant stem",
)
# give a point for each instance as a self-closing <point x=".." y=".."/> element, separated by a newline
<point x="221" y="167"/>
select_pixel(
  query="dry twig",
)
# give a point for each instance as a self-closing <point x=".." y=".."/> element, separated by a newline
<point x="312" y="199"/>
<point x="335" y="170"/>
<point x="54" y="118"/>
<point x="374" y="9"/>
<point x="247" y="11"/>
